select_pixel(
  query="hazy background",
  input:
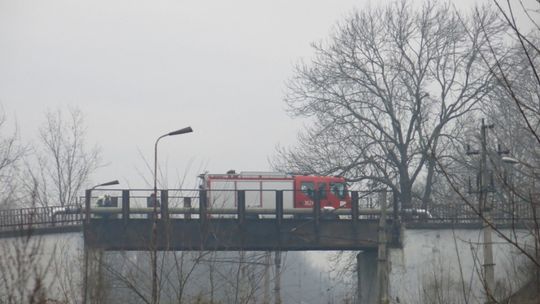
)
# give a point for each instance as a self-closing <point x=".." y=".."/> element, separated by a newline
<point x="139" y="69"/>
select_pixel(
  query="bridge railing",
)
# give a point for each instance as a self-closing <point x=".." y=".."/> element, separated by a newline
<point x="501" y="213"/>
<point x="40" y="217"/>
<point x="209" y="204"/>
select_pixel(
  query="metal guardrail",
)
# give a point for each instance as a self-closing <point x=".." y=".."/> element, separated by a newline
<point x="186" y="204"/>
<point x="465" y="214"/>
<point x="40" y="217"/>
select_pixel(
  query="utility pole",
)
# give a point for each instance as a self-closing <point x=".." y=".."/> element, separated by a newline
<point x="382" y="269"/>
<point x="484" y="187"/>
<point x="489" y="271"/>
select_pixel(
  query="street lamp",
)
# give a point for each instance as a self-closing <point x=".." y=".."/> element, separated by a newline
<point x="177" y="132"/>
<point x="154" y="225"/>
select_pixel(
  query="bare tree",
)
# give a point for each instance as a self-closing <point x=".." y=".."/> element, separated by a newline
<point x="11" y="152"/>
<point x="518" y="75"/>
<point x="22" y="271"/>
<point x="63" y="162"/>
<point x="386" y="92"/>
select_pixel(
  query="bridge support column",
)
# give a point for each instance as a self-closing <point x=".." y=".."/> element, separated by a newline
<point x="277" y="277"/>
<point x="94" y="289"/>
<point x="366" y="270"/>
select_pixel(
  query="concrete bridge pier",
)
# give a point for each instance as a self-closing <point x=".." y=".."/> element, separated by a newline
<point x="94" y="291"/>
<point x="366" y="270"/>
<point x="372" y="266"/>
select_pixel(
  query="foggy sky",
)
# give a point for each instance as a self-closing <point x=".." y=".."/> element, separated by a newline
<point x="139" y="69"/>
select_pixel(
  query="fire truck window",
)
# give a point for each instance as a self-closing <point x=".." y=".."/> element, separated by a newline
<point x="322" y="190"/>
<point x="338" y="189"/>
<point x="307" y="188"/>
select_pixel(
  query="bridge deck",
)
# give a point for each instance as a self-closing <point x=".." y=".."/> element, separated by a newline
<point x="229" y="234"/>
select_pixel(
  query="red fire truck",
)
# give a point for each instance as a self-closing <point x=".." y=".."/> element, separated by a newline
<point x="298" y="190"/>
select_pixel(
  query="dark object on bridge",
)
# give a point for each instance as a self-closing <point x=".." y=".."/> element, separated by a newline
<point x="151" y="200"/>
<point x="187" y="204"/>
<point x="241" y="195"/>
<point x="164" y="204"/>
<point x="354" y="208"/>
<point x="125" y="205"/>
<point x="203" y="206"/>
<point x="107" y="201"/>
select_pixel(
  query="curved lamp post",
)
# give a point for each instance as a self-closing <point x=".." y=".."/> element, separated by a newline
<point x="177" y="132"/>
<point x="154" y="225"/>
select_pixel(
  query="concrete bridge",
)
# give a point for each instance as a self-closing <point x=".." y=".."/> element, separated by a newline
<point x="188" y="222"/>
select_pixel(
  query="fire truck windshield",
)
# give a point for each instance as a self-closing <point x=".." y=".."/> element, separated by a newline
<point x="307" y="188"/>
<point x="339" y="189"/>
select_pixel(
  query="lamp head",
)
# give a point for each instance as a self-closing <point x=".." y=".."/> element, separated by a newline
<point x="114" y="182"/>
<point x="181" y="131"/>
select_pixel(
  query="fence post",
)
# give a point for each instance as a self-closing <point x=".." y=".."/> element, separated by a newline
<point x="125" y="206"/>
<point x="203" y="208"/>
<point x="164" y="204"/>
<point x="382" y="266"/>
<point x="354" y="208"/>
<point x="279" y="207"/>
<point x="316" y="212"/>
<point x="241" y="208"/>
<point x="187" y="204"/>
<point x="87" y="200"/>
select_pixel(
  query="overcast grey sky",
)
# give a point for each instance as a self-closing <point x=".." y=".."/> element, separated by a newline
<point x="138" y="69"/>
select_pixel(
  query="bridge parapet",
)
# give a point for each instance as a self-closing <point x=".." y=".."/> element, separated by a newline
<point x="32" y="220"/>
<point x="185" y="205"/>
<point x="193" y="222"/>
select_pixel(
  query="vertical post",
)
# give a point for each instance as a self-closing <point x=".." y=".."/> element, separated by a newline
<point x="241" y="207"/>
<point x="485" y="209"/>
<point x="316" y="211"/>
<point x="203" y="206"/>
<point x="382" y="270"/>
<point x="125" y="206"/>
<point x="187" y="204"/>
<point x="354" y="208"/>
<point x="164" y="204"/>
<point x="279" y="207"/>
<point x="277" y="278"/>
<point x="266" y="292"/>
<point x="396" y="222"/>
<point x="358" y="277"/>
<point x="279" y="215"/>
<point x="85" y="275"/>
<point x="87" y="200"/>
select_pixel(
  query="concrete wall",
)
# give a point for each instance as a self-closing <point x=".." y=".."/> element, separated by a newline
<point x="435" y="266"/>
<point x="54" y="262"/>
<point x="445" y="266"/>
